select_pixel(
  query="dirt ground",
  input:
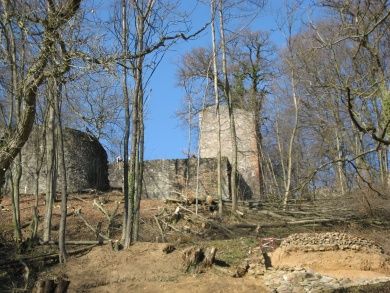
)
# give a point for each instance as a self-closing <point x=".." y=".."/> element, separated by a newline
<point x="145" y="268"/>
<point x="340" y="264"/>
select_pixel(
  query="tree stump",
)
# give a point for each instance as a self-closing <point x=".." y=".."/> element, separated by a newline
<point x="192" y="257"/>
<point x="195" y="259"/>
<point x="209" y="257"/>
<point x="52" y="286"/>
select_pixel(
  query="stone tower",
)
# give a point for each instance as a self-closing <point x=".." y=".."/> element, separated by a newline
<point x="247" y="145"/>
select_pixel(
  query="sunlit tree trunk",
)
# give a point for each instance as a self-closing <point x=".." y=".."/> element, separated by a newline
<point x="136" y="155"/>
<point x="217" y="109"/>
<point x="287" y="191"/>
<point x="340" y="170"/>
<point x="126" y="105"/>
<point x="228" y="95"/>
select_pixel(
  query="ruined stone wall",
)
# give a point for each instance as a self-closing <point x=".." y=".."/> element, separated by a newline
<point x="248" y="154"/>
<point x="168" y="178"/>
<point x="85" y="161"/>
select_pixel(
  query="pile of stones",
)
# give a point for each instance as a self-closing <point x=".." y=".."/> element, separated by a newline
<point x="299" y="280"/>
<point x="330" y="241"/>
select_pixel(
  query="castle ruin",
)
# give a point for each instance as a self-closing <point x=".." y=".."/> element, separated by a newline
<point x="86" y="162"/>
<point x="167" y="178"/>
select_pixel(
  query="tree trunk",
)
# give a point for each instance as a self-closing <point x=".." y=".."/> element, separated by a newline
<point x="33" y="78"/>
<point x="51" y="175"/>
<point x="234" y="176"/>
<point x="291" y="143"/>
<point x="15" y="198"/>
<point x="340" y="171"/>
<point x="64" y="187"/>
<point x="217" y="110"/>
<point x="127" y="120"/>
<point x="140" y="171"/>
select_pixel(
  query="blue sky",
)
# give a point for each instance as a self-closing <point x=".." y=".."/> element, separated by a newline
<point x="164" y="137"/>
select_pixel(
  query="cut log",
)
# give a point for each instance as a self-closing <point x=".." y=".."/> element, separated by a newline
<point x="100" y="207"/>
<point x="239" y="213"/>
<point x="77" y="242"/>
<point x="291" y="223"/>
<point x="47" y="257"/>
<point x="99" y="235"/>
<point x="160" y="228"/>
<point x="275" y="215"/>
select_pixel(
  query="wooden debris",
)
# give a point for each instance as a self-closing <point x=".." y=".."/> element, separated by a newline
<point x="160" y="228"/>
<point x="96" y="231"/>
<point x="290" y="223"/>
<point x="169" y="248"/>
<point x="116" y="245"/>
<point x="241" y="270"/>
<point x="239" y="213"/>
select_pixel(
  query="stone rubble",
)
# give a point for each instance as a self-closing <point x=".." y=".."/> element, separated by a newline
<point x="329" y="241"/>
<point x="298" y="279"/>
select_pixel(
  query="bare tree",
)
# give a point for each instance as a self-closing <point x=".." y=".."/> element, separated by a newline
<point x="55" y="17"/>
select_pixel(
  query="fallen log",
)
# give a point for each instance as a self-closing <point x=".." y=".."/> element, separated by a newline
<point x="78" y="242"/>
<point x="283" y="224"/>
<point x="46" y="257"/>
<point x="100" y="207"/>
<point x="78" y="198"/>
<point x="78" y="213"/>
<point x="173" y="200"/>
<point x="274" y="215"/>
<point x="160" y="228"/>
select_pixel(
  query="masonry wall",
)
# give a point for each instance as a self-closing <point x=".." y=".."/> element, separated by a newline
<point x="248" y="153"/>
<point x="169" y="178"/>
<point x="85" y="161"/>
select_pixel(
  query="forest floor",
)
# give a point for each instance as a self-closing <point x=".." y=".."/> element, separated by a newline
<point x="238" y="238"/>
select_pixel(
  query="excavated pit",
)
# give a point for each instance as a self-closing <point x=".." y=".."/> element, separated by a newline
<point x="327" y="262"/>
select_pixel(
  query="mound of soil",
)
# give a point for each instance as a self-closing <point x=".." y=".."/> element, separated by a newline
<point x="334" y="254"/>
<point x="144" y="267"/>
